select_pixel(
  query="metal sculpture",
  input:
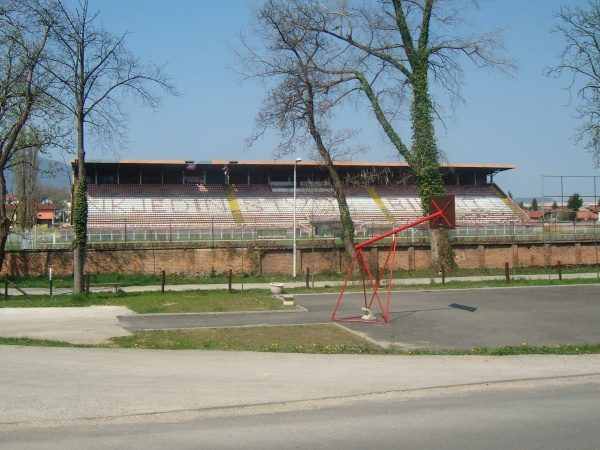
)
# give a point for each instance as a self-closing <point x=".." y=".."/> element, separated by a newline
<point x="441" y="215"/>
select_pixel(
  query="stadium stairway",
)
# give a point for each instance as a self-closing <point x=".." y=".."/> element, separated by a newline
<point x="388" y="215"/>
<point x="236" y="213"/>
<point x="510" y="203"/>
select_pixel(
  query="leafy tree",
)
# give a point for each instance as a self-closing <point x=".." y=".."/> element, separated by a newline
<point x="534" y="205"/>
<point x="575" y="202"/>
<point x="521" y="205"/>
<point x="580" y="27"/>
<point x="391" y="51"/>
<point x="96" y="71"/>
<point x="510" y="195"/>
<point x="554" y="205"/>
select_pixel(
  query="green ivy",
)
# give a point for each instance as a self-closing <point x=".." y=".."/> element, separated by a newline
<point x="80" y="213"/>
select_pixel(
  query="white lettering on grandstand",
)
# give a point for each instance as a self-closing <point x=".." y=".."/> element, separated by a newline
<point x="179" y="206"/>
<point x="159" y="206"/>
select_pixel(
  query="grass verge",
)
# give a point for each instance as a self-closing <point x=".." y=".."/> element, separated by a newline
<point x="327" y="338"/>
<point x="155" y="302"/>
<point x="310" y="339"/>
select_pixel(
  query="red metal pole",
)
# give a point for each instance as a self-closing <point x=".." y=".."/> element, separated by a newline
<point x="398" y="230"/>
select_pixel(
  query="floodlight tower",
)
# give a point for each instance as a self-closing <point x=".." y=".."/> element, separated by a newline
<point x="294" y="240"/>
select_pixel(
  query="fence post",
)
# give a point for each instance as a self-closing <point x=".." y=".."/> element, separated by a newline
<point x="506" y="273"/>
<point x="307" y="277"/>
<point x="443" y="276"/>
<point x="87" y="277"/>
<point x="162" y="282"/>
<point x="5" y="287"/>
<point x="229" y="279"/>
<point x="559" y="266"/>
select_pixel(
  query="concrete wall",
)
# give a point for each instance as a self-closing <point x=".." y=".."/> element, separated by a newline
<point x="202" y="262"/>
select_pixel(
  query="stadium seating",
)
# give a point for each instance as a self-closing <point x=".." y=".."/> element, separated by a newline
<point x="205" y="206"/>
<point x="158" y="206"/>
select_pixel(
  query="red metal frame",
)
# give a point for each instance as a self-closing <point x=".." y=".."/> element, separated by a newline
<point x="435" y="218"/>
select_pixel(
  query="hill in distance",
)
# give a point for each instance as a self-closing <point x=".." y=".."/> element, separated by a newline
<point x="52" y="172"/>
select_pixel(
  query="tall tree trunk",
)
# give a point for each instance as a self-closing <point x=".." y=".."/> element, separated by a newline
<point x="442" y="254"/>
<point x="424" y="163"/>
<point x="347" y="228"/>
<point x="4" y="219"/>
<point x="79" y="247"/>
<point x="80" y="216"/>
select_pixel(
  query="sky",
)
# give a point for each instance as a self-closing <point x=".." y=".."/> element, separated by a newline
<point x="526" y="120"/>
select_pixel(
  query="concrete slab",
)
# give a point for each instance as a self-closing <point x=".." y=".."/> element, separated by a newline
<point x="89" y="325"/>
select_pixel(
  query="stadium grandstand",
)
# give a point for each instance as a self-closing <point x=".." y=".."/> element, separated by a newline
<point x="227" y="194"/>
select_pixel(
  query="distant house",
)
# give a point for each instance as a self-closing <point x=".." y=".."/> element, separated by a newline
<point x="45" y="213"/>
<point x="586" y="216"/>
<point x="537" y="216"/>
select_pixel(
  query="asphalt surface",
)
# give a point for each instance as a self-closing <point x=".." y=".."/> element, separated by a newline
<point x="436" y="320"/>
<point x="531" y="414"/>
<point x="448" y="319"/>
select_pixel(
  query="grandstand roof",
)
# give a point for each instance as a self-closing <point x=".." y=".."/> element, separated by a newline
<point x="255" y="171"/>
<point x="278" y="163"/>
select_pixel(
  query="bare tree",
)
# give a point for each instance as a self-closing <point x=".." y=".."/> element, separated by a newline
<point x="24" y="90"/>
<point x="25" y="171"/>
<point x="301" y="104"/>
<point x="96" y="70"/>
<point x="581" y="60"/>
<point x="395" y="50"/>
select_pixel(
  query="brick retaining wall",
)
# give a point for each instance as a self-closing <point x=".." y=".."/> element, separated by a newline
<point x="202" y="262"/>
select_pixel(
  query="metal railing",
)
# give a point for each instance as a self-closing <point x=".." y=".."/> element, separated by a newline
<point x="283" y="235"/>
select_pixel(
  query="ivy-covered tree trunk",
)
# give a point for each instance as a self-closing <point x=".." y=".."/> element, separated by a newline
<point x="80" y="227"/>
<point x="424" y="163"/>
<point x="422" y="157"/>
<point x="80" y="210"/>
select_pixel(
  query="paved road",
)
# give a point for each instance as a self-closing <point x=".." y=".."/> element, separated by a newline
<point x="549" y="414"/>
<point x="126" y="398"/>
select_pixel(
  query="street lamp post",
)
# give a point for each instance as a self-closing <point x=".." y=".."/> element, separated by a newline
<point x="294" y="241"/>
